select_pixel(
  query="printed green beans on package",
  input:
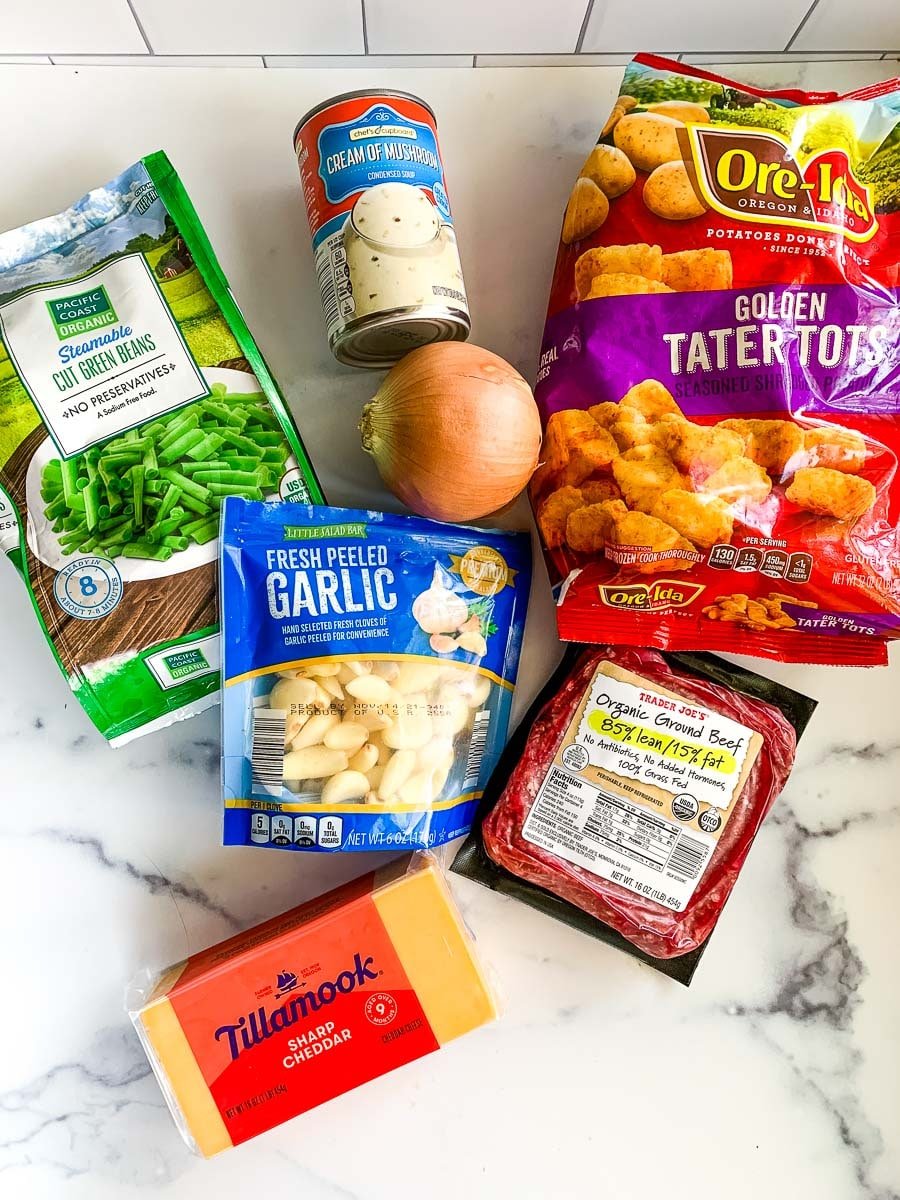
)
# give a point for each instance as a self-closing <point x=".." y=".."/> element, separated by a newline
<point x="133" y="398"/>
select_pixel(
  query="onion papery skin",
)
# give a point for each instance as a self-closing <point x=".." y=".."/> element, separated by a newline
<point x="454" y="431"/>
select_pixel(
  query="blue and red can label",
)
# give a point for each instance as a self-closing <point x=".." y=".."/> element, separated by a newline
<point x="380" y="219"/>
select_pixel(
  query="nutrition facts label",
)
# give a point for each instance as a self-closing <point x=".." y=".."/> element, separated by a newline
<point x="617" y="840"/>
<point x="282" y="829"/>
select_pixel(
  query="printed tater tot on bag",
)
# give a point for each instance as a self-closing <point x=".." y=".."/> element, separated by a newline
<point x="589" y="456"/>
<point x="703" y="520"/>
<point x="698" y="450"/>
<point x="620" y="283"/>
<point x="638" y="259"/>
<point x="640" y="531"/>
<point x="739" y="480"/>
<point x="834" y="447"/>
<point x="643" y="473"/>
<point x="830" y="493"/>
<point x="589" y="528"/>
<point x="704" y="270"/>
<point x="776" y="446"/>
<point x="554" y="511"/>
<point x="651" y="399"/>
<point x="564" y="430"/>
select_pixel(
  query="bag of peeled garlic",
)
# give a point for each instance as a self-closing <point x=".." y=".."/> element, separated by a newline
<point x="368" y="663"/>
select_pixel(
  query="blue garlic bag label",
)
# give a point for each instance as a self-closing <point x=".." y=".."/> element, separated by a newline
<point x="369" y="662"/>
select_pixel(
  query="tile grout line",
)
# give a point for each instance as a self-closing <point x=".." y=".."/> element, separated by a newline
<point x="809" y="12"/>
<point x="139" y="23"/>
<point x="365" y="26"/>
<point x="584" y="25"/>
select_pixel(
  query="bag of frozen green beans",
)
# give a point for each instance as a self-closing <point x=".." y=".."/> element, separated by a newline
<point x="132" y="399"/>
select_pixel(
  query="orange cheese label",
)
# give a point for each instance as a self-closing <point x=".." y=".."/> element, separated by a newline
<point x="299" y="1011"/>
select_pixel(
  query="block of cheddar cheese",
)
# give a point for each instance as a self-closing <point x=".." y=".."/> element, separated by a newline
<point x="302" y="1008"/>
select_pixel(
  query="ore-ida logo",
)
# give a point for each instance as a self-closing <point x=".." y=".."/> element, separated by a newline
<point x="757" y="177"/>
<point x="650" y="597"/>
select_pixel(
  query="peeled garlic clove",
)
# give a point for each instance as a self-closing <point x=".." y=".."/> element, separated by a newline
<point x="293" y="725"/>
<point x="330" y="684"/>
<point x="398" y="769"/>
<point x="474" y="688"/>
<point x="473" y="642"/>
<point x="292" y="693"/>
<point x="345" y="787"/>
<point x="314" y="762"/>
<point x="437" y="609"/>
<point x="439" y="779"/>
<point x="370" y="689"/>
<point x="347" y="736"/>
<point x="442" y="643"/>
<point x="387" y="669"/>
<point x="409" y="733"/>
<point x="324" y="669"/>
<point x="365" y="758"/>
<point x="435" y="754"/>
<point x="452" y="714"/>
<point x="415" y="676"/>
<point x="472" y="625"/>
<point x="417" y="789"/>
<point x="314" y="730"/>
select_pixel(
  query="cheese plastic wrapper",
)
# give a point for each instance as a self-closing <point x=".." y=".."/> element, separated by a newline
<point x="132" y="398"/>
<point x="281" y="1018"/>
<point x="629" y="796"/>
<point x="719" y="382"/>
<point x="369" y="663"/>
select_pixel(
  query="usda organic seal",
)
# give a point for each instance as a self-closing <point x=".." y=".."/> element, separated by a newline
<point x="88" y="588"/>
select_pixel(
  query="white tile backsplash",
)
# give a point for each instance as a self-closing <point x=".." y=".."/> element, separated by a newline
<point x="378" y="62"/>
<point x="860" y="25"/>
<point x="157" y="60"/>
<point x="394" y="34"/>
<point x="693" y="24"/>
<point x="75" y="27"/>
<point x="252" y="26"/>
<point x="470" y="26"/>
<point x="552" y="60"/>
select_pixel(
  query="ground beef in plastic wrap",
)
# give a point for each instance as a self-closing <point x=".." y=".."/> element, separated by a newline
<point x="653" y="928"/>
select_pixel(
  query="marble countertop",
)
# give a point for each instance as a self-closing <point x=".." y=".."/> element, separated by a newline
<point x="776" y="1074"/>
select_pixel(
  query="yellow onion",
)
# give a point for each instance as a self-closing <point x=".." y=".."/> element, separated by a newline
<point x="454" y="431"/>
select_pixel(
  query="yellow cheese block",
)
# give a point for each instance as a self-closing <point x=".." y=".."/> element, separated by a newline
<point x="436" y="951"/>
<point x="190" y="1100"/>
<point x="393" y="986"/>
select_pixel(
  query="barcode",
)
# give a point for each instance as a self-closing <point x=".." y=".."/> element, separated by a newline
<point x="476" y="749"/>
<point x="267" y="755"/>
<point x="329" y="294"/>
<point x="688" y="857"/>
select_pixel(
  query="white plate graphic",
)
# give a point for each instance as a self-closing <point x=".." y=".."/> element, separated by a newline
<point x="44" y="543"/>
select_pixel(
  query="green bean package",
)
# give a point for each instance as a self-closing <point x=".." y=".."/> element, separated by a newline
<point x="133" y="398"/>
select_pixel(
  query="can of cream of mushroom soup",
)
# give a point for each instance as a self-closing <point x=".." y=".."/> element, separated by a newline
<point x="382" y="232"/>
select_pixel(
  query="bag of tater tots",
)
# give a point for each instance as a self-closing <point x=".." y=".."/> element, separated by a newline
<point x="720" y="373"/>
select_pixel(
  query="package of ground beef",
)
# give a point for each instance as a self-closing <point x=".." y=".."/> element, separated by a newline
<point x="628" y="799"/>
<point x="719" y="381"/>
